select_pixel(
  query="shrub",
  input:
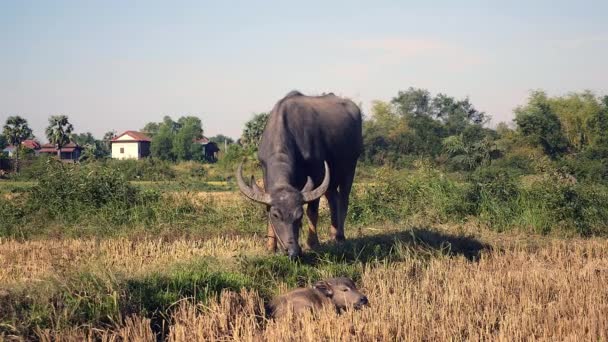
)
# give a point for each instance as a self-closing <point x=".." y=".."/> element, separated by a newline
<point x="147" y="169"/>
<point x="396" y="196"/>
<point x="66" y="191"/>
<point x="32" y="169"/>
<point x="558" y="203"/>
<point x="493" y="194"/>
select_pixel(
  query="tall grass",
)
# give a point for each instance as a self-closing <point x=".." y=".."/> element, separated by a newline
<point x="547" y="202"/>
<point x="71" y="200"/>
<point x="185" y="291"/>
<point x="95" y="200"/>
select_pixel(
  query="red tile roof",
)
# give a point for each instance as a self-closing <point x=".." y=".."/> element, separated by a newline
<point x="201" y="141"/>
<point x="137" y="136"/>
<point x="50" y="148"/>
<point x="29" y="143"/>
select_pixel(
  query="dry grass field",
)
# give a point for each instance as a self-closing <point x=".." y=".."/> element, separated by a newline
<point x="441" y="283"/>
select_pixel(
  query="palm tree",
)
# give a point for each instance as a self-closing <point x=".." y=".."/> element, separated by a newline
<point x="469" y="154"/>
<point x="58" y="132"/>
<point x="107" y="142"/>
<point x="16" y="131"/>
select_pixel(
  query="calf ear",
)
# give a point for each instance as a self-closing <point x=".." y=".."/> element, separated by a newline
<point x="324" y="287"/>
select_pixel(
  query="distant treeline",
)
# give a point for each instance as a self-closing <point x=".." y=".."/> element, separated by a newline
<point x="570" y="131"/>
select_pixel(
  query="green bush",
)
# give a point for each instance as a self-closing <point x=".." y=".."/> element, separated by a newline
<point x="396" y="196"/>
<point x="493" y="194"/>
<point x="147" y="169"/>
<point x="586" y="169"/>
<point x="33" y="168"/>
<point x="563" y="205"/>
<point x="67" y="191"/>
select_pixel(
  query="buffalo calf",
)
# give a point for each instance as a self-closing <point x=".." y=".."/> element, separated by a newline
<point x="340" y="292"/>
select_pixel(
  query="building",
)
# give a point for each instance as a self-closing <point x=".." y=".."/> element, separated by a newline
<point x="131" y="145"/>
<point x="69" y="152"/>
<point x="29" y="144"/>
<point x="210" y="149"/>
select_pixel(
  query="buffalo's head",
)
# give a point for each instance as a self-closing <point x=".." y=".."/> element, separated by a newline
<point x="343" y="293"/>
<point x="285" y="207"/>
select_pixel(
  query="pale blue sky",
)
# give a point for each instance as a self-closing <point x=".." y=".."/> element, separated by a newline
<point x="119" y="64"/>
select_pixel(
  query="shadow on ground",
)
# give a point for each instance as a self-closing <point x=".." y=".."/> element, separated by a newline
<point x="418" y="242"/>
<point x="347" y="258"/>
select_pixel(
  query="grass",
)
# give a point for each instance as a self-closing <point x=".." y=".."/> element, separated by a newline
<point x="440" y="257"/>
<point x="10" y="186"/>
<point x="464" y="282"/>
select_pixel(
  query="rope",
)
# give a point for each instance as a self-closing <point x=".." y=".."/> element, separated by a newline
<point x="276" y="236"/>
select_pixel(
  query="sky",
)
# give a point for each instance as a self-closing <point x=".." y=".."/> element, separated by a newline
<point x="116" y="65"/>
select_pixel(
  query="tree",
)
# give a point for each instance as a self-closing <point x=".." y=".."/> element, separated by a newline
<point x="541" y="125"/>
<point x="92" y="148"/>
<point x="598" y="133"/>
<point x="470" y="151"/>
<point x="253" y="130"/>
<point x="457" y="115"/>
<point x="107" y="142"/>
<point x="58" y="132"/>
<point x="575" y="112"/>
<point x="413" y="101"/>
<point x="414" y="123"/>
<point x="16" y="130"/>
<point x="174" y="140"/>
<point x="151" y="128"/>
<point x="162" y="139"/>
<point x="183" y="146"/>
<point x="162" y="144"/>
<point x="2" y="141"/>
<point x="83" y="138"/>
<point x="220" y="139"/>
<point x="386" y="134"/>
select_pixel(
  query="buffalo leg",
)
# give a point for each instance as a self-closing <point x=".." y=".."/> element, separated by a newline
<point x="333" y="199"/>
<point x="312" y="211"/>
<point x="344" y="194"/>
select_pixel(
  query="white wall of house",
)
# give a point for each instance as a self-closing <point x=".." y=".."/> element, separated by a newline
<point x="125" y="150"/>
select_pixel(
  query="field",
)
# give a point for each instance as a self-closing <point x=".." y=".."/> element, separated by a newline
<point x="440" y="258"/>
<point x="423" y="284"/>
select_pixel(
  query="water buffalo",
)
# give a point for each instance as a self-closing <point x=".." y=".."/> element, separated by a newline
<point x="309" y="147"/>
<point x="340" y="292"/>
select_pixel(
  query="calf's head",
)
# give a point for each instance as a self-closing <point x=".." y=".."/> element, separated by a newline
<point x="343" y="293"/>
<point x="285" y="207"/>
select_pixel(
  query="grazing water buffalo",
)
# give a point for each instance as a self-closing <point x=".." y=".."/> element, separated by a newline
<point x="339" y="292"/>
<point x="309" y="147"/>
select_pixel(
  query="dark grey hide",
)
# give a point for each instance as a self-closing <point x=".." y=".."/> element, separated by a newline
<point x="305" y="136"/>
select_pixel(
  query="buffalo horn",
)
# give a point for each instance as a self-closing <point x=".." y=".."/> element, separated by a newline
<point x="310" y="196"/>
<point x="253" y="192"/>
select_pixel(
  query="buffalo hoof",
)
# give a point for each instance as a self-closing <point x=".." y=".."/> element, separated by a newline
<point x="312" y="242"/>
<point x="338" y="238"/>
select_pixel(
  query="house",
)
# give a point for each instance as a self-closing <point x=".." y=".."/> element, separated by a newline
<point x="210" y="149"/>
<point x="29" y="144"/>
<point x="131" y="145"/>
<point x="69" y="152"/>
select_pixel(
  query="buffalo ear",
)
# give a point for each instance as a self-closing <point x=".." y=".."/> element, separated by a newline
<point x="324" y="287"/>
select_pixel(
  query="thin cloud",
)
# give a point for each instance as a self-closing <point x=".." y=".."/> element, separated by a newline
<point x="579" y="42"/>
<point x="398" y="47"/>
<point x="395" y="50"/>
